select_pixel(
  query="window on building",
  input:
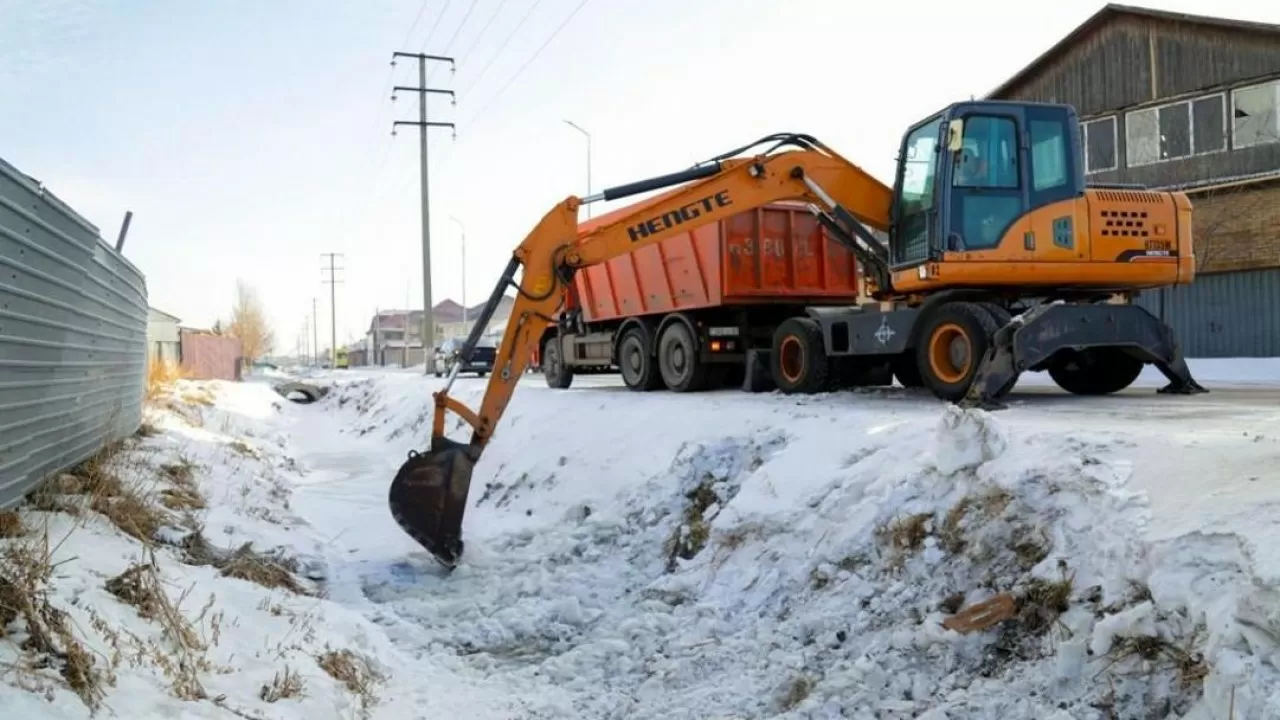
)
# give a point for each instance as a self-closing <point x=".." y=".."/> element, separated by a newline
<point x="1255" y="115"/>
<point x="1176" y="130"/>
<point x="1208" y="124"/>
<point x="1099" y="145"/>
<point x="1142" y="137"/>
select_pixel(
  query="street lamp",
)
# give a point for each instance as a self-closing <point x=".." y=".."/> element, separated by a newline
<point x="575" y="126"/>
<point x="463" y="228"/>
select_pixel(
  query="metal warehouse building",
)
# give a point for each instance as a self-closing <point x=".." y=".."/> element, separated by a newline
<point x="1176" y="101"/>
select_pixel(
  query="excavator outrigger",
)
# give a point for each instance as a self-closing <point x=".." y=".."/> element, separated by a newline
<point x="999" y="259"/>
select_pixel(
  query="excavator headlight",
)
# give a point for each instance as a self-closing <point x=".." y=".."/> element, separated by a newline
<point x="922" y="272"/>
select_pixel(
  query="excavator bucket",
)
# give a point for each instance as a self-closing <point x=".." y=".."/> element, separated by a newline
<point x="429" y="496"/>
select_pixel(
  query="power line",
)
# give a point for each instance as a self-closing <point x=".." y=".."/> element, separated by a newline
<point x="435" y="25"/>
<point x="503" y="46"/>
<point x="470" y="9"/>
<point x="462" y="56"/>
<point x="527" y="63"/>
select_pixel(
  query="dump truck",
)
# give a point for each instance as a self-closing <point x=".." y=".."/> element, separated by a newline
<point x="993" y="258"/>
<point x="731" y="282"/>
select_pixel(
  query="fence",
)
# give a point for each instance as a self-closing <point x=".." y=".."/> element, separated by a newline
<point x="73" y="322"/>
<point x="211" y="357"/>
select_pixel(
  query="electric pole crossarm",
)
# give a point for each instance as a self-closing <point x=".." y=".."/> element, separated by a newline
<point x="420" y="56"/>
<point x="402" y="88"/>
<point x="417" y="123"/>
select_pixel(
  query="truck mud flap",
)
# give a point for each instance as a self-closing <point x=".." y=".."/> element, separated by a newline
<point x="1031" y="338"/>
<point x="758" y="377"/>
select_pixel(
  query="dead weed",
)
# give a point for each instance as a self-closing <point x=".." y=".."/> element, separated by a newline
<point x="282" y="687"/>
<point x="11" y="524"/>
<point x="272" y="570"/>
<point x="355" y="673"/>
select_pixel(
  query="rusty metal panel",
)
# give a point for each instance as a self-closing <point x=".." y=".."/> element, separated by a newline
<point x="1233" y="314"/>
<point x="781" y="251"/>
<point x="73" y="323"/>
<point x="212" y="357"/>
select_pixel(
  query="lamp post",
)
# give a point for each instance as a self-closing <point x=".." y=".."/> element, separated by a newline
<point x="575" y="126"/>
<point x="463" y="229"/>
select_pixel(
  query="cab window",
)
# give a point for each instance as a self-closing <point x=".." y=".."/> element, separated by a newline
<point x="989" y="156"/>
<point x="915" y="198"/>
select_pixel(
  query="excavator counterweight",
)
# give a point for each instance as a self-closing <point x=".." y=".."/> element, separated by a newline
<point x="998" y="260"/>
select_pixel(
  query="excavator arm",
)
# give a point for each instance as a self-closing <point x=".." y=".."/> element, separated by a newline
<point x="428" y="496"/>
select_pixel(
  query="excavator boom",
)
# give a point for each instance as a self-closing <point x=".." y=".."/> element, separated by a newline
<point x="428" y="495"/>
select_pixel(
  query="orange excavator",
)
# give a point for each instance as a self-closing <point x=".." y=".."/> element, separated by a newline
<point x="999" y="259"/>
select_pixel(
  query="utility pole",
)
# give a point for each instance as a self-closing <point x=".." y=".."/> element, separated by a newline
<point x="575" y="126"/>
<point x="333" y="281"/>
<point x="315" y="333"/>
<point x="463" y="228"/>
<point x="428" y="324"/>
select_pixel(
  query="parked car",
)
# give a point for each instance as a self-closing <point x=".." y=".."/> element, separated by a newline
<point x="481" y="359"/>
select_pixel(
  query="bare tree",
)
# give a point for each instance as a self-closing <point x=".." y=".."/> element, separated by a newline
<point x="249" y="323"/>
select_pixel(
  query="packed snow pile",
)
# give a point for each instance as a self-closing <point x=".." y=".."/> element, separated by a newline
<point x="802" y="569"/>
<point x="168" y="576"/>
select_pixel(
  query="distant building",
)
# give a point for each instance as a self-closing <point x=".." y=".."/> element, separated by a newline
<point x="164" y="341"/>
<point x="1169" y="100"/>
<point x="388" y="343"/>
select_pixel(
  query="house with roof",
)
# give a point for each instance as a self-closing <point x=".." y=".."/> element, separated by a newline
<point x="1169" y="100"/>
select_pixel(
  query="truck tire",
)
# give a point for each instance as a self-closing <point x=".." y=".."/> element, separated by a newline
<point x="558" y="375"/>
<point x="798" y="358"/>
<point x="1095" y="371"/>
<point x="636" y="362"/>
<point x="953" y="339"/>
<point x="681" y="369"/>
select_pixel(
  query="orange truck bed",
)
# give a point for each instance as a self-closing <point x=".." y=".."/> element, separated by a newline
<point x="776" y="253"/>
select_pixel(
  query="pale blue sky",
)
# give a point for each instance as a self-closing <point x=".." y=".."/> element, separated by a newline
<point x="249" y="137"/>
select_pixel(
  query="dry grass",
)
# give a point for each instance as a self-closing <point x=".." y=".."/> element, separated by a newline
<point x="991" y="504"/>
<point x="355" y="673"/>
<point x="904" y="536"/>
<point x="796" y="692"/>
<point x="691" y="535"/>
<point x="282" y="687"/>
<point x="11" y="524"/>
<point x="161" y="377"/>
<point x="25" y="568"/>
<point x="184" y="493"/>
<point x="270" y="570"/>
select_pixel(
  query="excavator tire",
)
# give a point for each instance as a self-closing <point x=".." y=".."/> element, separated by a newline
<point x="799" y="358"/>
<point x="558" y="375"/>
<point x="636" y="362"/>
<point x="1095" y="371"/>
<point x="953" y="340"/>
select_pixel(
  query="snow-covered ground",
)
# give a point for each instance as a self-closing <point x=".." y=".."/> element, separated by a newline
<point x="718" y="555"/>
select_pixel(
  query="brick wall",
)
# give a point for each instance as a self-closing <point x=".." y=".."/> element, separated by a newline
<point x="211" y="357"/>
<point x="1237" y="228"/>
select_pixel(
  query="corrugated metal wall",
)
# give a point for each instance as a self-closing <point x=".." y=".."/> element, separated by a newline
<point x="1235" y="314"/>
<point x="73" y="322"/>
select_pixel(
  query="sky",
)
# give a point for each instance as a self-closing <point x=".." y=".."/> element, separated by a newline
<point x="250" y="138"/>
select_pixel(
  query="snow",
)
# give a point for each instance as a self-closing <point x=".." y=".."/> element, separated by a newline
<point x="717" y="555"/>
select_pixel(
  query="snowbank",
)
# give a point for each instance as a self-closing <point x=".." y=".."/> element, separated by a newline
<point x="726" y="555"/>
<point x="171" y="578"/>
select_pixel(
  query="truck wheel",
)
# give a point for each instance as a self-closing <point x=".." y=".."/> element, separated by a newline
<point x="799" y="358"/>
<point x="678" y="362"/>
<point x="636" y="361"/>
<point x="557" y="374"/>
<point x="952" y="342"/>
<point x="1095" y="371"/>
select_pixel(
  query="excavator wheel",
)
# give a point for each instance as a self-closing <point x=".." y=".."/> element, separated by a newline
<point x="1095" y="371"/>
<point x="558" y="375"/>
<point x="635" y="360"/>
<point x="428" y="497"/>
<point x="799" y="357"/>
<point x="953" y="340"/>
